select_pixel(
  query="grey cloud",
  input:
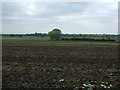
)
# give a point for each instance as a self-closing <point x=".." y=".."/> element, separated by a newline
<point x="27" y="17"/>
<point x="42" y="10"/>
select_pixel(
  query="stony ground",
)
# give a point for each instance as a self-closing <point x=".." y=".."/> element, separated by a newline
<point x="57" y="66"/>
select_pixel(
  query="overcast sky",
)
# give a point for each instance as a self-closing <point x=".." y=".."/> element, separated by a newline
<point x="70" y="17"/>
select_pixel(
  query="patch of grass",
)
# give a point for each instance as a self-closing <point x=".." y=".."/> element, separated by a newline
<point x="6" y="67"/>
<point x="60" y="76"/>
<point x="26" y="85"/>
<point x="110" y="70"/>
<point x="77" y="86"/>
<point x="32" y="63"/>
<point x="34" y="41"/>
<point x="19" y="68"/>
<point x="57" y="86"/>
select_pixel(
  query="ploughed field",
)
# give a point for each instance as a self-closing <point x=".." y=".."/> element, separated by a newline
<point x="59" y="64"/>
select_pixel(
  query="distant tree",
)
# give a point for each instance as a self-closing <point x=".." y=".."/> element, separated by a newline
<point x="12" y="35"/>
<point x="55" y="34"/>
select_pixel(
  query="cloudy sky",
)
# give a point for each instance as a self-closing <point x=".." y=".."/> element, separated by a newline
<point x="70" y="17"/>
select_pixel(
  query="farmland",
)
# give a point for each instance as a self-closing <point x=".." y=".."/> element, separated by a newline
<point x="37" y="62"/>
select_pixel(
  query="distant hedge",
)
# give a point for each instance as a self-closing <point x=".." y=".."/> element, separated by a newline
<point x="86" y="39"/>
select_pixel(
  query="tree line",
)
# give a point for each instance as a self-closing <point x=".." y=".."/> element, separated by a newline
<point x="56" y="34"/>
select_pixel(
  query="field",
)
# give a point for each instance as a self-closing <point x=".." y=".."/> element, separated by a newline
<point x="37" y="62"/>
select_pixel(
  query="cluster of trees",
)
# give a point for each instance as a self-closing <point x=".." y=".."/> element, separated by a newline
<point x="15" y="35"/>
<point x="90" y="35"/>
<point x="85" y="39"/>
<point x="20" y="35"/>
<point x="55" y="34"/>
<point x="38" y="34"/>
